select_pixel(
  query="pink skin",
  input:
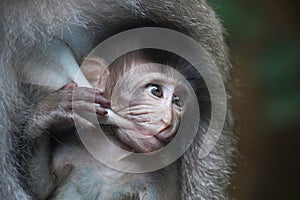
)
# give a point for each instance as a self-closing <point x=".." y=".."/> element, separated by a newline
<point x="157" y="118"/>
<point x="146" y="122"/>
<point x="59" y="109"/>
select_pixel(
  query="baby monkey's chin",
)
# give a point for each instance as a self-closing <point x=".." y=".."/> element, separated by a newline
<point x="167" y="134"/>
<point x="144" y="141"/>
<point x="161" y="133"/>
<point x="142" y="145"/>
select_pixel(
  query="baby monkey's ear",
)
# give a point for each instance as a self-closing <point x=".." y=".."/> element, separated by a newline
<point x="95" y="71"/>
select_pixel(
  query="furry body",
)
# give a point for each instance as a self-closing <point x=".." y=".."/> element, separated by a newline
<point x="30" y="28"/>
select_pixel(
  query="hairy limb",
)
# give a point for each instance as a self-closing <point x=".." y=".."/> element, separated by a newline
<point x="59" y="109"/>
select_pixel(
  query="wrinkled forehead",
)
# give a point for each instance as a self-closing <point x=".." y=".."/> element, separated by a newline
<point x="155" y="71"/>
<point x="141" y="74"/>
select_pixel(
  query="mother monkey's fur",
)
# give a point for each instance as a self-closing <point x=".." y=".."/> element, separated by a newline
<point x="30" y="25"/>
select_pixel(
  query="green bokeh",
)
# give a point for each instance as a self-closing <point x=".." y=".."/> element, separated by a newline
<point x="276" y="66"/>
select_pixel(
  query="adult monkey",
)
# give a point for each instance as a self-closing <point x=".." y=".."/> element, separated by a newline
<point x="73" y="28"/>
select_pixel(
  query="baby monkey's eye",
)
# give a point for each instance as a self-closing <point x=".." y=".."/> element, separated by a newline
<point x="155" y="90"/>
<point x="177" y="100"/>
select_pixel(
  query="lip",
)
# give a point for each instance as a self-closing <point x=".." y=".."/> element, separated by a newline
<point x="142" y="143"/>
<point x="163" y="130"/>
<point x="166" y="134"/>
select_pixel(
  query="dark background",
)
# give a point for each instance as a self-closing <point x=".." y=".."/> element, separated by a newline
<point x="264" y="38"/>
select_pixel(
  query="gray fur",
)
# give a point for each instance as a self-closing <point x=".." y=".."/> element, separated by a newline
<point x="28" y="28"/>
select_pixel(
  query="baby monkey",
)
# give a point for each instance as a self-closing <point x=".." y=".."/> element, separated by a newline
<point x="146" y="91"/>
<point x="140" y="98"/>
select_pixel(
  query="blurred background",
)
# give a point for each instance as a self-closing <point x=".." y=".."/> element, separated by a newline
<point x="264" y="38"/>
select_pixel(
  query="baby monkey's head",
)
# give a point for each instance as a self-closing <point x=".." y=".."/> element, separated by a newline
<point x="145" y="88"/>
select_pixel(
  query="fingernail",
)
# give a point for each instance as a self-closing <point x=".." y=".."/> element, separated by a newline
<point x="100" y="92"/>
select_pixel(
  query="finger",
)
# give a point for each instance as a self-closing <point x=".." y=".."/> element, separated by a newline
<point x="83" y="123"/>
<point x="89" y="107"/>
<point x="90" y="95"/>
<point x="102" y="101"/>
<point x="65" y="105"/>
<point x="83" y="106"/>
<point x="101" y="111"/>
<point x="69" y="86"/>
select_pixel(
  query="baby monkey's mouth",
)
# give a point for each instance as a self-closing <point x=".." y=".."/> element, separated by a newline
<point x="138" y="137"/>
<point x="143" y="140"/>
<point x="167" y="134"/>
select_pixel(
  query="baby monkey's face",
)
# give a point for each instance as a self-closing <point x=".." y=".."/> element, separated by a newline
<point x="154" y="97"/>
